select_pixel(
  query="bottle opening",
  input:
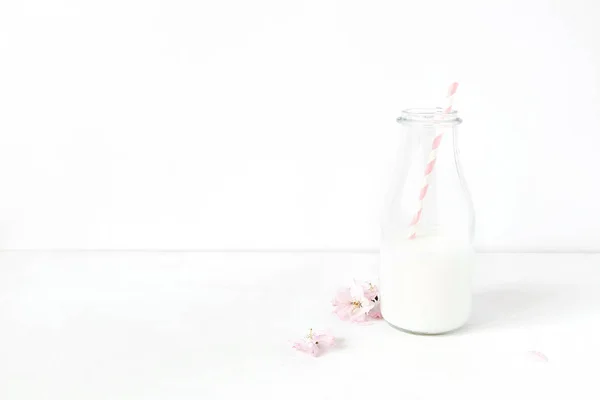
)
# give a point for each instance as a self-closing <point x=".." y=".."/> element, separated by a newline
<point x="429" y="116"/>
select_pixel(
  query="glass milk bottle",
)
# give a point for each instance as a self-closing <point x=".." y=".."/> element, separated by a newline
<point x="427" y="229"/>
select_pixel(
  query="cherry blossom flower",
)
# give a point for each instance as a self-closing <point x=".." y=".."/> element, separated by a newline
<point x="314" y="343"/>
<point x="353" y="303"/>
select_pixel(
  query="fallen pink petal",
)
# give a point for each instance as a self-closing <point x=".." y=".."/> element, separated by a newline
<point x="538" y="356"/>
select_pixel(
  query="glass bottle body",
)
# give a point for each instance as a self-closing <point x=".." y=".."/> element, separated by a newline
<point x="427" y="229"/>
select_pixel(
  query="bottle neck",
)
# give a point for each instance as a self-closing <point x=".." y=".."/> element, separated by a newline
<point x="428" y="184"/>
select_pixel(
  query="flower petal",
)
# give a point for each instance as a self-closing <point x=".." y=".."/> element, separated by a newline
<point x="366" y="305"/>
<point x="538" y="355"/>
<point x="357" y="291"/>
<point x="325" y="339"/>
<point x="375" y="312"/>
<point x="343" y="296"/>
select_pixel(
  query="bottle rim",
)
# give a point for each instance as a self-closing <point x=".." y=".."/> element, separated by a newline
<point x="429" y="116"/>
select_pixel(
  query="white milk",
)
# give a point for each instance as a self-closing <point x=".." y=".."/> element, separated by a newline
<point x="425" y="283"/>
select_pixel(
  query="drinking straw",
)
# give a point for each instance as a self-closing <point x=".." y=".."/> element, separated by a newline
<point x="431" y="163"/>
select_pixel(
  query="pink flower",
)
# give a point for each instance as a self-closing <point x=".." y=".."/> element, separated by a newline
<point x="314" y="343"/>
<point x="358" y="303"/>
<point x="353" y="304"/>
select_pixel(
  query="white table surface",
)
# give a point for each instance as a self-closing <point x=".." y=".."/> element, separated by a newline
<point x="118" y="325"/>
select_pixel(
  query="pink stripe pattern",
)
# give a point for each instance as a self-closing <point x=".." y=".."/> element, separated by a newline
<point x="431" y="164"/>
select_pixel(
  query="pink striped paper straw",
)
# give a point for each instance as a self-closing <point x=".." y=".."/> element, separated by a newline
<point x="431" y="163"/>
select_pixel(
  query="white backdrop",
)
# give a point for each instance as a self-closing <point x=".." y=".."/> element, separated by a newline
<point x="155" y="124"/>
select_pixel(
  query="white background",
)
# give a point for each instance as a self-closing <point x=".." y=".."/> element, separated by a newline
<point x="271" y="124"/>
